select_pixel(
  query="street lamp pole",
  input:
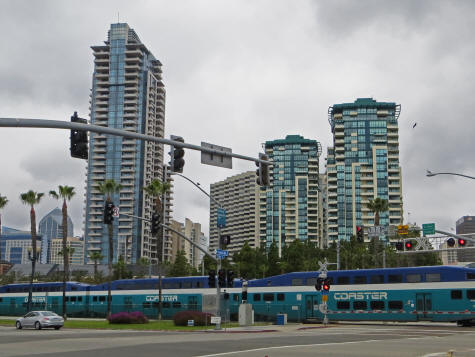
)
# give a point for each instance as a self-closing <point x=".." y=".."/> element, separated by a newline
<point x="430" y="174"/>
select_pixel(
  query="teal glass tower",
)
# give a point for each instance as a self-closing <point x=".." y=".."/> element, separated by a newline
<point x="363" y="164"/>
<point x="127" y="93"/>
<point x="289" y="207"/>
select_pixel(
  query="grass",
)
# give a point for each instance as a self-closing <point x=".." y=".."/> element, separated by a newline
<point x="103" y="324"/>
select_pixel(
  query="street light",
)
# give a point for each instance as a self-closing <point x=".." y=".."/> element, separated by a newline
<point x="430" y="174"/>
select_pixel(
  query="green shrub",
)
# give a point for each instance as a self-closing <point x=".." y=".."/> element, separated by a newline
<point x="201" y="318"/>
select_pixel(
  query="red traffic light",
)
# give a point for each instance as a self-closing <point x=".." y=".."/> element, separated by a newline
<point x="462" y="242"/>
<point x="408" y="245"/>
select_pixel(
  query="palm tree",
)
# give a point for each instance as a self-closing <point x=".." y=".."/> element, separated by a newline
<point x="3" y="203"/>
<point x="376" y="206"/>
<point x="95" y="256"/>
<point x="65" y="193"/>
<point x="157" y="189"/>
<point x="107" y="188"/>
<point x="32" y="198"/>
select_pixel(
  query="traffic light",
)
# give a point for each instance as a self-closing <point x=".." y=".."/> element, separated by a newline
<point x="225" y="240"/>
<point x="78" y="138"/>
<point x="176" y="155"/>
<point x="326" y="284"/>
<point x="399" y="246"/>
<point x="318" y="285"/>
<point x="230" y="278"/>
<point x="222" y="278"/>
<point x="408" y="245"/>
<point x="462" y="242"/>
<point x="108" y="213"/>
<point x="212" y="279"/>
<point x="155" y="223"/>
<point x="262" y="172"/>
<point x="450" y="242"/>
<point x="359" y="234"/>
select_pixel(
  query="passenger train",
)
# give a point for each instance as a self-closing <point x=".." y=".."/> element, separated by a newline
<point x="438" y="293"/>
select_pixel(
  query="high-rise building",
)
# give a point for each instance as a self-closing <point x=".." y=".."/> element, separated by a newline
<point x="192" y="231"/>
<point x="76" y="251"/>
<point x="289" y="207"/>
<point x="128" y="94"/>
<point x="239" y="196"/>
<point x="363" y="164"/>
<point x="16" y="247"/>
<point x="51" y="227"/>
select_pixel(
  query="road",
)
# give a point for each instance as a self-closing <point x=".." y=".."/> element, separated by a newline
<point x="293" y="340"/>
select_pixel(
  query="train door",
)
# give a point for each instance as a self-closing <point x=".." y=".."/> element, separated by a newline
<point x="424" y="306"/>
<point x="311" y="306"/>
<point x="193" y="303"/>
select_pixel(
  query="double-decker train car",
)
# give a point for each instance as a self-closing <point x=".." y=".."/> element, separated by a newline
<point x="439" y="293"/>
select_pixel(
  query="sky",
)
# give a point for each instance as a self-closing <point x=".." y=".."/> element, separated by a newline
<point x="239" y="73"/>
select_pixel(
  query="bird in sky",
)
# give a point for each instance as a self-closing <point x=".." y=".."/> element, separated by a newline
<point x="414" y="125"/>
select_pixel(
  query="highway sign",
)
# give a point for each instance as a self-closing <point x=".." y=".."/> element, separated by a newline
<point x="221" y="254"/>
<point x="221" y="220"/>
<point x="115" y="211"/>
<point x="428" y="228"/>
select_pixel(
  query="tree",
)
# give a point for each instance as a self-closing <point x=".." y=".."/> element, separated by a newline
<point x="377" y="206"/>
<point x="3" y="203"/>
<point x="32" y="198"/>
<point x="107" y="188"/>
<point x="273" y="260"/>
<point x="95" y="256"/>
<point x="246" y="259"/>
<point x="65" y="193"/>
<point x="120" y="270"/>
<point x="180" y="267"/>
<point x="157" y="189"/>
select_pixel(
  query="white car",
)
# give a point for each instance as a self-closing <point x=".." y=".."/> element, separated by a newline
<point x="40" y="319"/>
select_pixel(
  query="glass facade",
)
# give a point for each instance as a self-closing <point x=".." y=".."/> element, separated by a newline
<point x="362" y="164"/>
<point x="291" y="202"/>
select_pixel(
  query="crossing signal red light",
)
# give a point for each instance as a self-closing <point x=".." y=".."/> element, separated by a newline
<point x="408" y="245"/>
<point x="462" y="242"/>
<point x="326" y="285"/>
<point x="450" y="242"/>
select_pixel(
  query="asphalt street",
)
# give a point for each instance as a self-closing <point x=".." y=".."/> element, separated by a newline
<point x="292" y="340"/>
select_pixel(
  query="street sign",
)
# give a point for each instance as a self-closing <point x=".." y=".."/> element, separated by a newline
<point x="377" y="231"/>
<point x="216" y="159"/>
<point x="215" y="319"/>
<point x="221" y="254"/>
<point x="428" y="228"/>
<point x="115" y="211"/>
<point x="221" y="220"/>
<point x="403" y="229"/>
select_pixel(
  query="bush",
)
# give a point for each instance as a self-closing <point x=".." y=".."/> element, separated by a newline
<point x="201" y="318"/>
<point x="135" y="317"/>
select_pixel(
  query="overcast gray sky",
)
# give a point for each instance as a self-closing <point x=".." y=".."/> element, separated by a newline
<point x="238" y="73"/>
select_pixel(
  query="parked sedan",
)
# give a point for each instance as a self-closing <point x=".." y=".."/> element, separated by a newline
<point x="40" y="319"/>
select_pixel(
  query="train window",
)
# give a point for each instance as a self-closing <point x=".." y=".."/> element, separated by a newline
<point x="1" y="299"/>
<point x="360" y="305"/>
<point x="359" y="279"/>
<point x="146" y="305"/>
<point x="74" y="288"/>
<point x="395" y="278"/>
<point x="297" y="282"/>
<point x="187" y="285"/>
<point x="343" y="280"/>
<point x="432" y="277"/>
<point x="376" y="279"/>
<point x="79" y="298"/>
<point x="94" y="298"/>
<point x="268" y="297"/>
<point x="72" y="299"/>
<point x="343" y="305"/>
<point x="471" y="294"/>
<point x="311" y="281"/>
<point x="470" y="276"/>
<point x="413" y="278"/>
<point x="395" y="305"/>
<point x="377" y="305"/>
<point x="257" y="297"/>
<point x="176" y="304"/>
<point x="280" y="297"/>
<point x="199" y="284"/>
<point x="456" y="294"/>
<point x="155" y="304"/>
<point x="102" y="298"/>
<point x="166" y="305"/>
